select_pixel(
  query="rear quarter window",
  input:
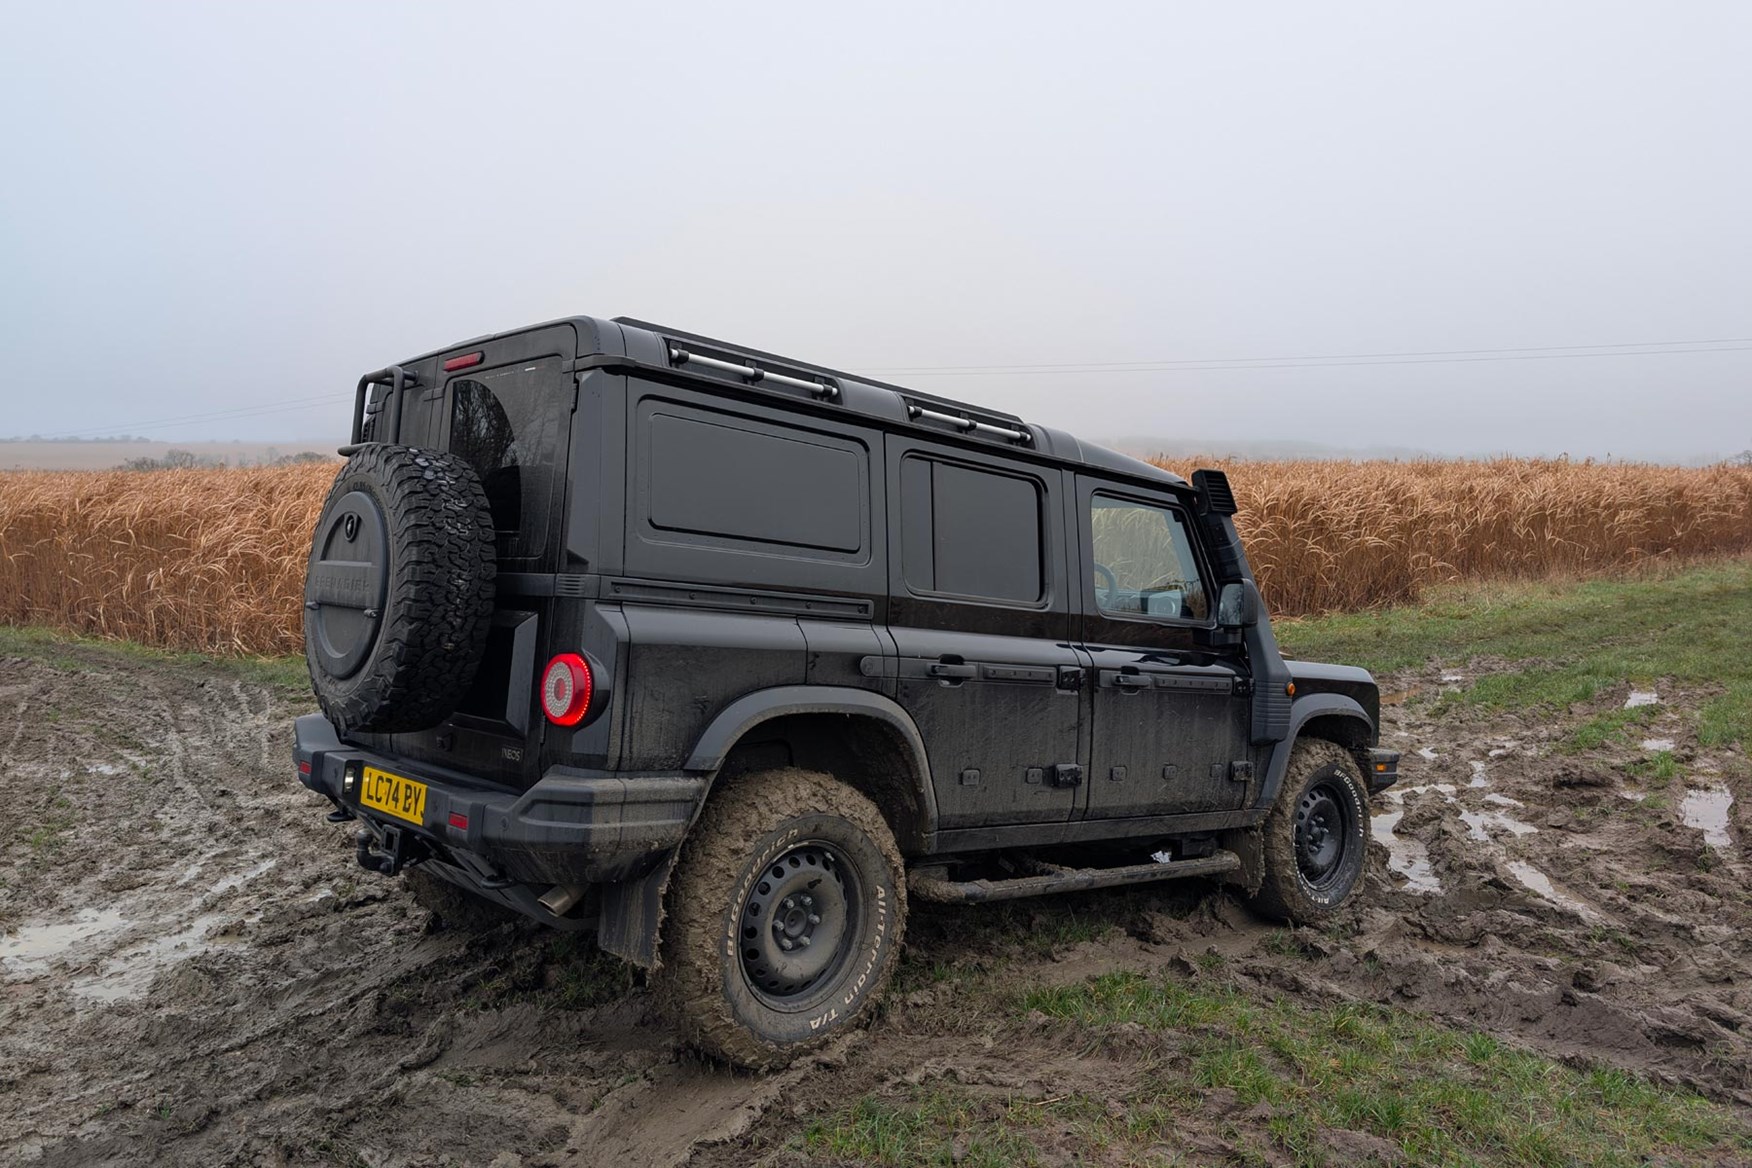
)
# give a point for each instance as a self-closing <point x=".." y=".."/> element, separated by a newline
<point x="722" y="481"/>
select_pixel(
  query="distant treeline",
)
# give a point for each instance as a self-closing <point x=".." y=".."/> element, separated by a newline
<point x="188" y="460"/>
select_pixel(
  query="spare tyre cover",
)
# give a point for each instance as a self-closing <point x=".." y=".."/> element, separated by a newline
<point x="398" y="597"/>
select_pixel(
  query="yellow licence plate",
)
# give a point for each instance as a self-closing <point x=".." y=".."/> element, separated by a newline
<point x="393" y="795"/>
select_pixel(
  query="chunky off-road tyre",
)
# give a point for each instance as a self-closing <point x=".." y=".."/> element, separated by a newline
<point x="785" y="917"/>
<point x="456" y="908"/>
<point x="398" y="597"/>
<point x="1316" y="837"/>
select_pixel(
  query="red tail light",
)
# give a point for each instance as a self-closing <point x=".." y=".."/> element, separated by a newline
<point x="567" y="686"/>
<point x="465" y="362"/>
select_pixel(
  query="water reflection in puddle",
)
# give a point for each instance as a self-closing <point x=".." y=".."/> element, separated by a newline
<point x="1640" y="697"/>
<point x="1479" y="824"/>
<point x="31" y="951"/>
<point x="1707" y="810"/>
<point x="1540" y="883"/>
<point x="1654" y="745"/>
<point x="1408" y="857"/>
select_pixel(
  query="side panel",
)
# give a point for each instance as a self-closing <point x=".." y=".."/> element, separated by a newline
<point x="978" y="616"/>
<point x="684" y="665"/>
<point x="742" y="522"/>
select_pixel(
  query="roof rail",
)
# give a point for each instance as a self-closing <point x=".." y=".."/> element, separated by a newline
<point x="990" y="419"/>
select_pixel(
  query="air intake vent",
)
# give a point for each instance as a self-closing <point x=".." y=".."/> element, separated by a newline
<point x="1214" y="495"/>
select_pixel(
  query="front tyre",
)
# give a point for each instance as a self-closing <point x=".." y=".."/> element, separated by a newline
<point x="786" y="913"/>
<point x="1316" y="837"/>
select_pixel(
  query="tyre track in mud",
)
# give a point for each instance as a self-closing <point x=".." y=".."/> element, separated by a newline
<point x="196" y="972"/>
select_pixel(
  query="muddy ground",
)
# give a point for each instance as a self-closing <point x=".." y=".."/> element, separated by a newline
<point x="194" y="971"/>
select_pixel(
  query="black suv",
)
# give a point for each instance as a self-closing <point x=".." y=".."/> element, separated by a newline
<point x="724" y="656"/>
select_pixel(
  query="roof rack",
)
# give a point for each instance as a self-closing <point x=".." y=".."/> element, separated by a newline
<point x="920" y="406"/>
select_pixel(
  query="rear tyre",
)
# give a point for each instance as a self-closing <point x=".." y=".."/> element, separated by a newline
<point x="398" y="598"/>
<point x="1316" y="837"/>
<point x="786" y="912"/>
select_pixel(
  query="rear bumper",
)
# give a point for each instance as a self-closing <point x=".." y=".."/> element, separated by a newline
<point x="571" y="827"/>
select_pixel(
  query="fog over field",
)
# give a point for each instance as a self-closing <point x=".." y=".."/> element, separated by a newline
<point x="1486" y="228"/>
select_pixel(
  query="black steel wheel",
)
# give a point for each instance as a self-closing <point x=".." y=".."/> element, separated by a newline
<point x="1316" y="837"/>
<point x="797" y="922"/>
<point x="785" y="913"/>
<point x="1324" y="833"/>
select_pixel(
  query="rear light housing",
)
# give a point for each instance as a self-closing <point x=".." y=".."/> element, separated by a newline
<point x="568" y="685"/>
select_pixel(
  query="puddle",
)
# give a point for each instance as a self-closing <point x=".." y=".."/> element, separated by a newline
<point x="1657" y="744"/>
<point x="1398" y="794"/>
<point x="1427" y="754"/>
<point x="1451" y="678"/>
<point x="1640" y="697"/>
<point x="1633" y="796"/>
<point x="1540" y="883"/>
<point x="1479" y="824"/>
<point x="1478" y="779"/>
<point x="1707" y="810"/>
<point x="1408" y="857"/>
<point x="103" y="768"/>
<point x="129" y="971"/>
<point x="1503" y="800"/>
<point x="32" y="950"/>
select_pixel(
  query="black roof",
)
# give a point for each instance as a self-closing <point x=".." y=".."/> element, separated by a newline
<point x="645" y="342"/>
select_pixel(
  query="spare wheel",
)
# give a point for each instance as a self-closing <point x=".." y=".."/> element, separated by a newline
<point x="399" y="593"/>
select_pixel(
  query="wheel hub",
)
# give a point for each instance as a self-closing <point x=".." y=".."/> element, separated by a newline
<point x="797" y="921"/>
<point x="1322" y="834"/>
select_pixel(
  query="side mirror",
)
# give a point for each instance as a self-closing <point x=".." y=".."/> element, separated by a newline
<point x="1237" y="606"/>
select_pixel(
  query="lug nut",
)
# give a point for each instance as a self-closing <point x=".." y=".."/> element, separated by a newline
<point x="790" y="903"/>
<point x="807" y="901"/>
<point x="803" y="941"/>
<point x="785" y="943"/>
<point x="813" y="919"/>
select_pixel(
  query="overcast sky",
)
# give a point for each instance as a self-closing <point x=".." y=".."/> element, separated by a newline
<point x="243" y="206"/>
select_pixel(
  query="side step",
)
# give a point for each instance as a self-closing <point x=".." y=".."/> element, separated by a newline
<point x="930" y="883"/>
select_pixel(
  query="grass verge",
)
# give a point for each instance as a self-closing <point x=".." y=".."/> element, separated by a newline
<point x="1329" y="1085"/>
<point x="76" y="652"/>
<point x="1691" y="626"/>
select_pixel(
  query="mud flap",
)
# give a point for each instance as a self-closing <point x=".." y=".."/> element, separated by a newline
<point x="1249" y="844"/>
<point x="631" y="921"/>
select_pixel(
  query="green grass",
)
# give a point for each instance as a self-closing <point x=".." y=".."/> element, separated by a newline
<point x="1575" y="639"/>
<point x="1444" y="1097"/>
<point x="72" y="651"/>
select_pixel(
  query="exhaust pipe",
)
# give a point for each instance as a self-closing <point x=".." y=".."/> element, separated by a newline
<point x="562" y="898"/>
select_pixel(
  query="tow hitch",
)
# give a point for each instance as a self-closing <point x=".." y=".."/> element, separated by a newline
<point x="388" y="849"/>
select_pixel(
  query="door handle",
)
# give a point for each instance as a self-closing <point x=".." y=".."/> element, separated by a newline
<point x="951" y="672"/>
<point x="1132" y="681"/>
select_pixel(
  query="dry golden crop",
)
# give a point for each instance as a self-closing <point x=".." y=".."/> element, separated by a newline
<point x="214" y="559"/>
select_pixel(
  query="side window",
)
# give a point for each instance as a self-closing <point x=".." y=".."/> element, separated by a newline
<point x="971" y="532"/>
<point x="722" y="481"/>
<point x="1144" y="563"/>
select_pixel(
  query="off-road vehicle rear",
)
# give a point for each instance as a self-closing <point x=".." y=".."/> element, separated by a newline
<point x="723" y="656"/>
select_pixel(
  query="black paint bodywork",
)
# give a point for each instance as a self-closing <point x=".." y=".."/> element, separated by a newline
<point x="731" y="551"/>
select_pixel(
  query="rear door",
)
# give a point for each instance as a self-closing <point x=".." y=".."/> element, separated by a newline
<point x="506" y="408"/>
<point x="980" y="615"/>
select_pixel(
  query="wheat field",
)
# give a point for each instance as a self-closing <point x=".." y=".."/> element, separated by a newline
<point x="213" y="560"/>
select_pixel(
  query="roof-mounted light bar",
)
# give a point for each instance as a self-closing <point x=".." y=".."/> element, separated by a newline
<point x="755" y="375"/>
<point x="967" y="425"/>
